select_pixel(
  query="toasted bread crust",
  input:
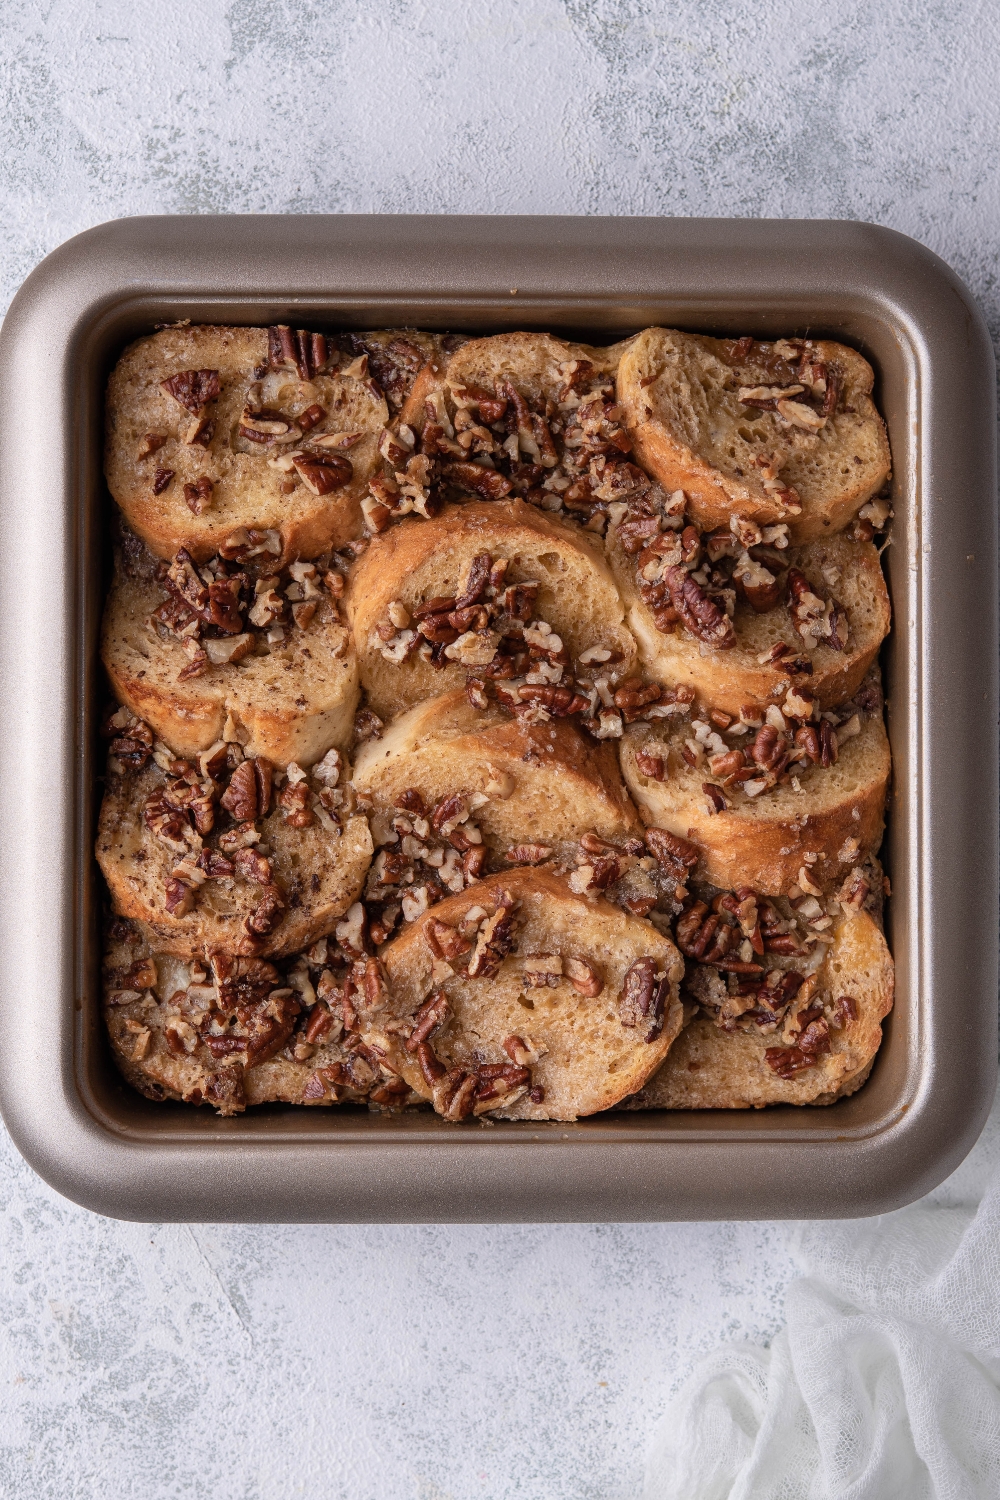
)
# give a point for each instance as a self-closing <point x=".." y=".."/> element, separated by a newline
<point x="291" y="704"/>
<point x="839" y="815"/>
<point x="591" y="1058"/>
<point x="320" y="873"/>
<point x="730" y="679"/>
<point x="247" y="492"/>
<point x="712" y="1069"/>
<point x="679" y="398"/>
<point x="544" y="783"/>
<point x="422" y="559"/>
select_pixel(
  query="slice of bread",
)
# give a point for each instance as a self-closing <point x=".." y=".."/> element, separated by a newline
<point x="533" y="361"/>
<point x="709" y="1068"/>
<point x="728" y="679"/>
<point x="287" y="700"/>
<point x="680" y="393"/>
<point x="176" y="1032"/>
<point x="778" y="838"/>
<point x="553" y="1046"/>
<point x="280" y="885"/>
<point x="532" y="784"/>
<point x="417" y="561"/>
<point x="246" y="491"/>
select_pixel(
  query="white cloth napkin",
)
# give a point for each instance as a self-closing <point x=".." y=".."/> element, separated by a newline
<point x="885" y="1383"/>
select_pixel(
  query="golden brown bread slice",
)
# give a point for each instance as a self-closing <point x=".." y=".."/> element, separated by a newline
<point x="710" y="1068"/>
<point x="234" y="1032"/>
<point x="536" y="362"/>
<point x="809" y="830"/>
<point x="538" y="1030"/>
<point x="534" y="787"/>
<point x="806" y="446"/>
<point x="756" y="669"/>
<point x="518" y="414"/>
<point x="214" y="857"/>
<point x="288" y="691"/>
<point x="232" y="429"/>
<point x="421" y="561"/>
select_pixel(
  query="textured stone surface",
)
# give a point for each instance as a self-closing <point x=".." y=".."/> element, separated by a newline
<point x="427" y="1363"/>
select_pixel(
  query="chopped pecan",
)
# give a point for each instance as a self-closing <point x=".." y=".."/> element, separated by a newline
<point x="161" y="478"/>
<point x="304" y="352"/>
<point x="585" y="977"/>
<point x="242" y="981"/>
<point x="528" y="854"/>
<point x="323" y="472"/>
<point x="676" y="855"/>
<point x="488" y="484"/>
<point x="192" y="388"/>
<point x="252" y="866"/>
<point x="476" y="580"/>
<point x="643" y="998"/>
<point x="650" y="765"/>
<point x="294" y="799"/>
<point x="445" y="941"/>
<point x="266" y="915"/>
<point x="199" y="495"/>
<point x="366" y="986"/>
<point x="178" y="898"/>
<point x="699" y="615"/>
<point x="150" y="443"/>
<point x="241" y="796"/>
<point x="493" y="943"/>
<point x="431" y="1015"/>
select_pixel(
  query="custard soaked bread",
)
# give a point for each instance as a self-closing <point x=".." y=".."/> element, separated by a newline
<point x="530" y="788"/>
<point x="802" y="1029"/>
<point x="740" y="616"/>
<point x="231" y="1032"/>
<point x="497" y="592"/>
<point x="232" y="648"/>
<point x="218" y="436"/>
<point x="227" y="853"/>
<point x="768" y="432"/>
<point x="519" y="414"/>
<point x="786" y="801"/>
<point x="521" y="1000"/>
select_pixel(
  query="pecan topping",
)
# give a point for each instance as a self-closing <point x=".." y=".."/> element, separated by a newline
<point x="444" y="941"/>
<point x="431" y="1015"/>
<point x="198" y="495"/>
<point x="161" y="478"/>
<point x="323" y="472"/>
<point x="306" y="353"/>
<point x="266" y="915"/>
<point x="241" y="796"/>
<point x="643" y="998"/>
<point x="528" y="854"/>
<point x="489" y="484"/>
<point x="700" y="615"/>
<point x="295" y="799"/>
<point x="192" y="388"/>
<point x="585" y="978"/>
<point x="150" y="443"/>
<point x="493" y="943"/>
<point x="676" y="855"/>
<point x="650" y="765"/>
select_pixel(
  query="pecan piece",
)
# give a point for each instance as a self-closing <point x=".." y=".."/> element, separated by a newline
<point x="488" y="484"/>
<point x="150" y="443"/>
<point x="643" y="998"/>
<point x="431" y="1015"/>
<point x="676" y="855"/>
<point x="585" y="977"/>
<point x="493" y="943"/>
<point x="198" y="495"/>
<point x="699" y="614"/>
<point x="161" y="478"/>
<point x="294" y="800"/>
<point x="193" y="389"/>
<point x="266" y="915"/>
<point x="528" y="854"/>
<point x="650" y="765"/>
<point x="241" y="797"/>
<point x="323" y="472"/>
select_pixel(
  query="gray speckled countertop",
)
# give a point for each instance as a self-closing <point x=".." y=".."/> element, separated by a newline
<point x="147" y="1362"/>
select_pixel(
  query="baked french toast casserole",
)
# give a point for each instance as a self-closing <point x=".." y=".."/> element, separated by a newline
<point x="494" y="725"/>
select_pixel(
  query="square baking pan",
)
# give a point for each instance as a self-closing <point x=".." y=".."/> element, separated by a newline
<point x="100" y="1143"/>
